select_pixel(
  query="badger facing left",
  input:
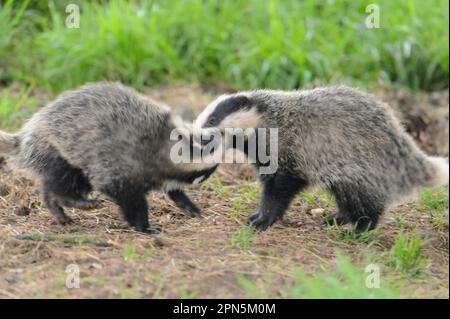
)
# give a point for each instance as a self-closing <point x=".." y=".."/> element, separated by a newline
<point x="105" y="137"/>
<point x="336" y="138"/>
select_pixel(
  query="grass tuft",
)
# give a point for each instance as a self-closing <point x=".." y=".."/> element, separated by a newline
<point x="345" y="281"/>
<point x="243" y="237"/>
<point x="72" y="240"/>
<point x="406" y="254"/>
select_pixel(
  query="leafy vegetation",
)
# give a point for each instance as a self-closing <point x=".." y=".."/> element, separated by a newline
<point x="246" y="44"/>
<point x="243" y="237"/>
<point x="346" y="281"/>
<point x="406" y="255"/>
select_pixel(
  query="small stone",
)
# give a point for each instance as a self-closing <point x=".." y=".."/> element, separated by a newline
<point x="160" y="242"/>
<point x="22" y="211"/>
<point x="317" y="212"/>
<point x="95" y="266"/>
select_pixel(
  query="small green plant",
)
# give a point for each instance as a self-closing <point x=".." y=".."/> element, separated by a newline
<point x="351" y="237"/>
<point x="129" y="252"/>
<point x="406" y="254"/>
<point x="215" y="184"/>
<point x="245" y="197"/>
<point x="243" y="237"/>
<point x="401" y="221"/>
<point x="435" y="202"/>
<point x="186" y="294"/>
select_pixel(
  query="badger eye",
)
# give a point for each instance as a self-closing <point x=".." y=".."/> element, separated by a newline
<point x="211" y="121"/>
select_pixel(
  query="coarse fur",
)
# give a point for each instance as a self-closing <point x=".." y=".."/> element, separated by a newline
<point x="337" y="138"/>
<point x="103" y="137"/>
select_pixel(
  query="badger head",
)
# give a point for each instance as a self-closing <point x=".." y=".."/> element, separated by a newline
<point x="230" y="111"/>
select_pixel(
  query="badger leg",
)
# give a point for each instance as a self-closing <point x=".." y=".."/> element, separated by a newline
<point x="54" y="207"/>
<point x="184" y="202"/>
<point x="67" y="184"/>
<point x="336" y="219"/>
<point x="359" y="205"/>
<point x="278" y="192"/>
<point x="133" y="204"/>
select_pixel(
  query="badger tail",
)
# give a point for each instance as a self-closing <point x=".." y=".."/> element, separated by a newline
<point x="8" y="143"/>
<point x="441" y="168"/>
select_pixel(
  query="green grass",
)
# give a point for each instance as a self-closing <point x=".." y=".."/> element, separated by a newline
<point x="15" y="107"/>
<point x="245" y="197"/>
<point x="435" y="202"/>
<point x="244" y="43"/>
<point x="350" y="236"/>
<point x="130" y="254"/>
<point x="243" y="237"/>
<point x="68" y="240"/>
<point x="215" y="184"/>
<point x="10" y="19"/>
<point x="406" y="254"/>
<point x="345" y="281"/>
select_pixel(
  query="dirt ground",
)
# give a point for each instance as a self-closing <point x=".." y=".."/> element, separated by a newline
<point x="207" y="257"/>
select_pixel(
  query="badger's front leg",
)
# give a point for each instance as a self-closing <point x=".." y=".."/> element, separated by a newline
<point x="180" y="199"/>
<point x="277" y="194"/>
<point x="131" y="198"/>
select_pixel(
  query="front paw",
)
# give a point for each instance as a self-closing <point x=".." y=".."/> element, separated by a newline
<point x="192" y="211"/>
<point x="260" y="221"/>
<point x="150" y="229"/>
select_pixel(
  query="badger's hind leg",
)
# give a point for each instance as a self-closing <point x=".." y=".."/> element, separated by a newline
<point x="54" y="207"/>
<point x="336" y="219"/>
<point x="64" y="185"/>
<point x="359" y="205"/>
<point x="71" y="187"/>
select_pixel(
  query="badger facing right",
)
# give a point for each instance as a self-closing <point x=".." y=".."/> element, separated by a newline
<point x="337" y="138"/>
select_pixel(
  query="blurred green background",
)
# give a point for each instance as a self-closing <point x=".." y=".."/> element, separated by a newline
<point x="242" y="43"/>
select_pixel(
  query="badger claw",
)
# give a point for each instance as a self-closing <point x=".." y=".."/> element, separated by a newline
<point x="261" y="221"/>
<point x="150" y="230"/>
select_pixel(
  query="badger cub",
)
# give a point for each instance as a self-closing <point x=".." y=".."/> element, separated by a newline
<point x="105" y="137"/>
<point x="336" y="138"/>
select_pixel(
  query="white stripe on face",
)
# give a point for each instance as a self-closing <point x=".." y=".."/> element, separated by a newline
<point x="209" y="109"/>
<point x="243" y="118"/>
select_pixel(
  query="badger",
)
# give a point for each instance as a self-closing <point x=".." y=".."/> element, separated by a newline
<point x="337" y="138"/>
<point x="104" y="137"/>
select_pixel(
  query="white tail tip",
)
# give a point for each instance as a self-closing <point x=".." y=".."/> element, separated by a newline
<point x="442" y="171"/>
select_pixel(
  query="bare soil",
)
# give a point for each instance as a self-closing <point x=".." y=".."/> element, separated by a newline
<point x="204" y="257"/>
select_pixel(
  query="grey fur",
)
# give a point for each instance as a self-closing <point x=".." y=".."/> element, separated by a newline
<point x="106" y="136"/>
<point x="336" y="138"/>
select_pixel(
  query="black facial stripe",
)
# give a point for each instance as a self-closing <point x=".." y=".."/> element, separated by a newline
<point x="227" y="107"/>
